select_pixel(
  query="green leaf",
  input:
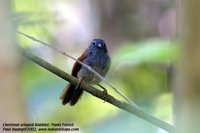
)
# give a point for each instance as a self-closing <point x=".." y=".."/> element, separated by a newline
<point x="146" y="51"/>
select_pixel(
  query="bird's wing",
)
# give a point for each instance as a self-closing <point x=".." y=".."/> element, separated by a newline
<point x="77" y="66"/>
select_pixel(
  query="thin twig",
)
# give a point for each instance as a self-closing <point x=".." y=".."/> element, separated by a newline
<point x="100" y="94"/>
<point x="82" y="63"/>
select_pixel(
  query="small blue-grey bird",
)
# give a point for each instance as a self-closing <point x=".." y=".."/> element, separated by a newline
<point x="96" y="56"/>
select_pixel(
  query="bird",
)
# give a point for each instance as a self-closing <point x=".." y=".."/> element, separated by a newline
<point x="96" y="56"/>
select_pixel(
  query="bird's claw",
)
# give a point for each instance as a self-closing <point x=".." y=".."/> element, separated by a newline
<point x="105" y="93"/>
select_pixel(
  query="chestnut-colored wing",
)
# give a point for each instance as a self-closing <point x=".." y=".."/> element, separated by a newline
<point x="69" y="94"/>
<point x="77" y="66"/>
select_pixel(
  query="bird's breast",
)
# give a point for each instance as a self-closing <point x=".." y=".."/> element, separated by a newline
<point x="97" y="64"/>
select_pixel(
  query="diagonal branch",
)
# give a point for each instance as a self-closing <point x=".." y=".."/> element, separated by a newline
<point x="97" y="93"/>
<point x="82" y="63"/>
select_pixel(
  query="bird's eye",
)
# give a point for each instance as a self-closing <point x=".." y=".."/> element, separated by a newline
<point x="93" y="43"/>
<point x="90" y="53"/>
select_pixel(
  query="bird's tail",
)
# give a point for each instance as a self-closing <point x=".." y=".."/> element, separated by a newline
<point x="71" y="94"/>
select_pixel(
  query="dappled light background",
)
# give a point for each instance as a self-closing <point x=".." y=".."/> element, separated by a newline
<point x="140" y="37"/>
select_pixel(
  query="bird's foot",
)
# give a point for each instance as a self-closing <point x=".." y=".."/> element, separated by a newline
<point x="105" y="93"/>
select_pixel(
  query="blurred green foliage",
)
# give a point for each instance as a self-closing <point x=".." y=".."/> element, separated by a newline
<point x="152" y="50"/>
<point x="33" y="17"/>
<point x="142" y="67"/>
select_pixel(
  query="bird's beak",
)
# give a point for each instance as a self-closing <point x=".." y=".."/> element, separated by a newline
<point x="99" y="45"/>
